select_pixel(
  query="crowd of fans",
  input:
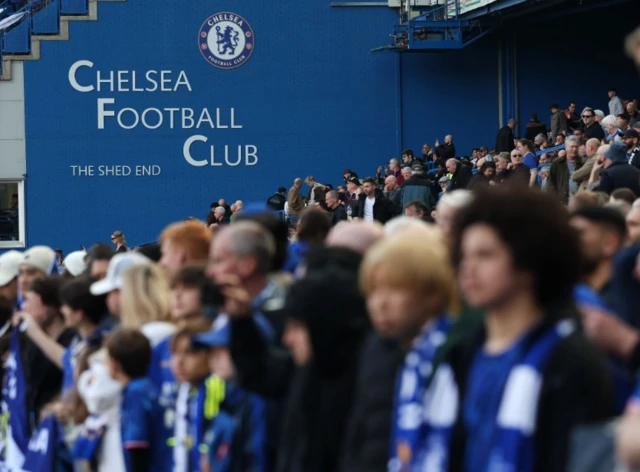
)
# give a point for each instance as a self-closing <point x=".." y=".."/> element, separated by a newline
<point x="447" y="313"/>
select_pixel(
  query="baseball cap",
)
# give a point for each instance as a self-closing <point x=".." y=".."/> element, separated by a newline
<point x="443" y="180"/>
<point x="631" y="133"/>
<point x="417" y="168"/>
<point x="617" y="153"/>
<point x="10" y="266"/>
<point x="220" y="334"/>
<point x="41" y="258"/>
<point x="354" y="180"/>
<point x="74" y="263"/>
<point x="117" y="267"/>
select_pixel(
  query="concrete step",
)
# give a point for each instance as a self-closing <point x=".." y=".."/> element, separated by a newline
<point x="63" y="36"/>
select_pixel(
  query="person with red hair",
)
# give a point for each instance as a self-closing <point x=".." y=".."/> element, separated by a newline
<point x="182" y="243"/>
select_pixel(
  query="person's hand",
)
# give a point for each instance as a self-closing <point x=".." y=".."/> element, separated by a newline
<point x="437" y="143"/>
<point x="599" y="164"/>
<point x="609" y="332"/>
<point x="22" y="316"/>
<point x="237" y="301"/>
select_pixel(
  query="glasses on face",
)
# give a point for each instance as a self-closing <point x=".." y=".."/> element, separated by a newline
<point x="587" y="116"/>
<point x="516" y="155"/>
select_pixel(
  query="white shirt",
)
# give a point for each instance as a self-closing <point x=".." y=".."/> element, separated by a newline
<point x="368" y="208"/>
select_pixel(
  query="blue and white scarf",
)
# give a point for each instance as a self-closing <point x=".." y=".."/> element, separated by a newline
<point x="408" y="427"/>
<point x="41" y="453"/>
<point x="516" y="421"/>
<point x="14" y="410"/>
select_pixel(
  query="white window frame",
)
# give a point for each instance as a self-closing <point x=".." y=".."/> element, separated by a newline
<point x="22" y="241"/>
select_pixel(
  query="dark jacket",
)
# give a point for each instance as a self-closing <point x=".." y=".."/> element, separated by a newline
<point x="559" y="178"/>
<point x="461" y="178"/>
<point x="338" y="214"/>
<point x="480" y="180"/>
<point x="576" y="389"/>
<point x="446" y="151"/>
<point x="504" y="140"/>
<point x="534" y="128"/>
<point x="276" y="202"/>
<point x="634" y="158"/>
<point x="368" y="436"/>
<point x="519" y="174"/>
<point x="395" y="195"/>
<point x="383" y="208"/>
<point x="418" y="188"/>
<point x="620" y="175"/>
<point x="319" y="394"/>
<point x="594" y="131"/>
<point x="559" y="123"/>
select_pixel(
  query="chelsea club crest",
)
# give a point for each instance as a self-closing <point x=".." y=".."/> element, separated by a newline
<point x="226" y="40"/>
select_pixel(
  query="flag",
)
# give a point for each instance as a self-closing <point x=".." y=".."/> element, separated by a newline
<point x="15" y="426"/>
<point x="41" y="451"/>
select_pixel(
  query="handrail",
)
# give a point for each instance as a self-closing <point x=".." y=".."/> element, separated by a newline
<point x="548" y="150"/>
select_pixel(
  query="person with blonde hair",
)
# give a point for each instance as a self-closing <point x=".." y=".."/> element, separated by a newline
<point x="145" y="302"/>
<point x="410" y="286"/>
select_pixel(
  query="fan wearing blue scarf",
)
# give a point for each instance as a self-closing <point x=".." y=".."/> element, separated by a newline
<point x="143" y="432"/>
<point x="508" y="397"/>
<point x="234" y="419"/>
<point x="191" y="369"/>
<point x="409" y="282"/>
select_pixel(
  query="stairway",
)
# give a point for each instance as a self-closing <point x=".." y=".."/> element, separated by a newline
<point x="439" y="28"/>
<point x="21" y="41"/>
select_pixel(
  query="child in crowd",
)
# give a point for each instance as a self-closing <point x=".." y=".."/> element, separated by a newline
<point x="144" y="436"/>
<point x="409" y="301"/>
<point x="186" y="308"/>
<point x="190" y="368"/>
<point x="236" y="437"/>
<point x="99" y="443"/>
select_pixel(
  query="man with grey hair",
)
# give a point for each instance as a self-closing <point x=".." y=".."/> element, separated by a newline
<point x="561" y="181"/>
<point x="610" y="124"/>
<point x="391" y="189"/>
<point x="448" y="207"/>
<point x="240" y="259"/>
<point x="394" y="169"/>
<point x="581" y="176"/>
<point x="220" y="214"/>
<point x="336" y="210"/>
<point x="238" y="207"/>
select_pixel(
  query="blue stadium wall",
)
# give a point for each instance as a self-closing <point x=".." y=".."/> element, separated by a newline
<point x="312" y="99"/>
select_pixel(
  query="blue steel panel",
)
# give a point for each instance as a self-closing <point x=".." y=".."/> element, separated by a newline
<point x="47" y="20"/>
<point x="75" y="7"/>
<point x="554" y="68"/>
<point x="312" y="100"/>
<point x="451" y="93"/>
<point x="18" y="39"/>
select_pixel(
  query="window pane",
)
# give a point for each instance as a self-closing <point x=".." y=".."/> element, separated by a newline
<point x="9" y="212"/>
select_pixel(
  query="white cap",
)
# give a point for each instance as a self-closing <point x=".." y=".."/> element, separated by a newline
<point x="40" y="257"/>
<point x="74" y="263"/>
<point x="10" y="266"/>
<point x="117" y="267"/>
